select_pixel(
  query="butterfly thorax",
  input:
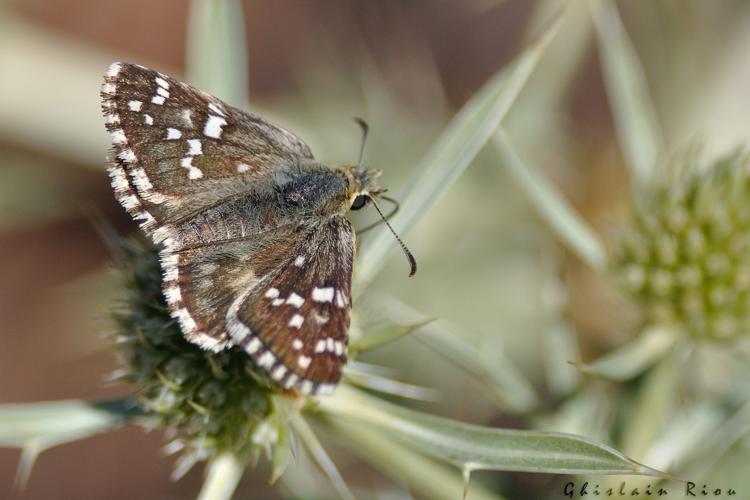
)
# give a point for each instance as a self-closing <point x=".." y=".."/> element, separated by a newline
<point x="317" y="190"/>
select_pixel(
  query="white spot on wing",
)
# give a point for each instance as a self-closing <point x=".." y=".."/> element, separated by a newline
<point x="277" y="302"/>
<point x="306" y="387"/>
<point x="173" y="133"/>
<point x="162" y="82"/>
<point x="173" y="295"/>
<point x="185" y="320"/>
<point x="329" y="344"/>
<point x="242" y="168"/>
<point x="290" y="381"/>
<point x="278" y="372"/>
<point x="253" y="346"/>
<point x="299" y="261"/>
<point x="213" y="126"/>
<point x="272" y="293"/>
<point x="339" y="346"/>
<point x="193" y="172"/>
<point x="118" y="180"/>
<point x="195" y="147"/>
<point x="303" y="361"/>
<point x="140" y="179"/>
<point x="295" y="300"/>
<point x="209" y="343"/>
<point x="158" y="99"/>
<point x="148" y="119"/>
<point x="129" y="202"/>
<point x="341" y="300"/>
<point x="238" y="331"/>
<point x="109" y="88"/>
<point x="297" y="344"/>
<point x="113" y="69"/>
<point x="118" y="136"/>
<point x="320" y="346"/>
<point x="266" y="360"/>
<point x="296" y="321"/>
<point x="169" y="262"/>
<point x="135" y="105"/>
<point x="322" y="294"/>
<point x="162" y="92"/>
<point x="127" y="155"/>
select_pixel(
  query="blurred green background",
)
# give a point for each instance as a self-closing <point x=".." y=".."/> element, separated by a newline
<point x="486" y="261"/>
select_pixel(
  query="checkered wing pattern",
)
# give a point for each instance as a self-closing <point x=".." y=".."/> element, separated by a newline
<point x="240" y="266"/>
<point x="295" y="323"/>
<point x="179" y="150"/>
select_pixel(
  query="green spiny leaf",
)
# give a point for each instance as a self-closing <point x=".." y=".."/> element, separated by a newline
<point x="452" y="153"/>
<point x="474" y="447"/>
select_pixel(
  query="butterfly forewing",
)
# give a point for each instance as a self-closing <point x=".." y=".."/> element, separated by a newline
<point x="203" y="179"/>
<point x="178" y="149"/>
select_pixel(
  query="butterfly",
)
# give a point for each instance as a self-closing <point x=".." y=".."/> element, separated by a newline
<point x="255" y="248"/>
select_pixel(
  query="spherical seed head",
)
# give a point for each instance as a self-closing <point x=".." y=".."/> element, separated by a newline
<point x="208" y="402"/>
<point x="684" y="252"/>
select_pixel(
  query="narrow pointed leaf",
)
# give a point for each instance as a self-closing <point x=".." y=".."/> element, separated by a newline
<point x="631" y="359"/>
<point x="222" y="477"/>
<point x="385" y="335"/>
<point x="421" y="474"/>
<point x="216" y="49"/>
<point x="552" y="206"/>
<point x="474" y="447"/>
<point x="635" y="116"/>
<point x="50" y="423"/>
<point x="320" y="455"/>
<point x="651" y="410"/>
<point x="718" y="443"/>
<point x="29" y="454"/>
<point x="452" y="153"/>
<point x="280" y="455"/>
<point x="385" y="385"/>
<point x="35" y="427"/>
<point x="496" y="372"/>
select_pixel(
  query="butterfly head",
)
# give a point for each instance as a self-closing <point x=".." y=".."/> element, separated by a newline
<point x="363" y="186"/>
<point x="364" y="189"/>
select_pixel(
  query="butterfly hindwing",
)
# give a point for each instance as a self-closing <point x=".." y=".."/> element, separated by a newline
<point x="295" y="322"/>
<point x="201" y="280"/>
<point x="178" y="149"/>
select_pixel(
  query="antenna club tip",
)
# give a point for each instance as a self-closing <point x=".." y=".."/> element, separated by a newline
<point x="362" y="123"/>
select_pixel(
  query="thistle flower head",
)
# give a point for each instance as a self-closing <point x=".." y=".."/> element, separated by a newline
<point x="684" y="255"/>
<point x="209" y="402"/>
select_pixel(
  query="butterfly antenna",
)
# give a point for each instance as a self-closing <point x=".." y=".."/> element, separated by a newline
<point x="394" y="202"/>
<point x="365" y="130"/>
<point x="409" y="256"/>
<point x="393" y="212"/>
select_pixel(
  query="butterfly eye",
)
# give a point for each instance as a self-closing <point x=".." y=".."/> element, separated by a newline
<point x="359" y="202"/>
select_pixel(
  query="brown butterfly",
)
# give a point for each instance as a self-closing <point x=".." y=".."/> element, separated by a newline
<point x="255" y="247"/>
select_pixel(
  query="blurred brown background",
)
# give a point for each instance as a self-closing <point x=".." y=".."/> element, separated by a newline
<point x="306" y="63"/>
